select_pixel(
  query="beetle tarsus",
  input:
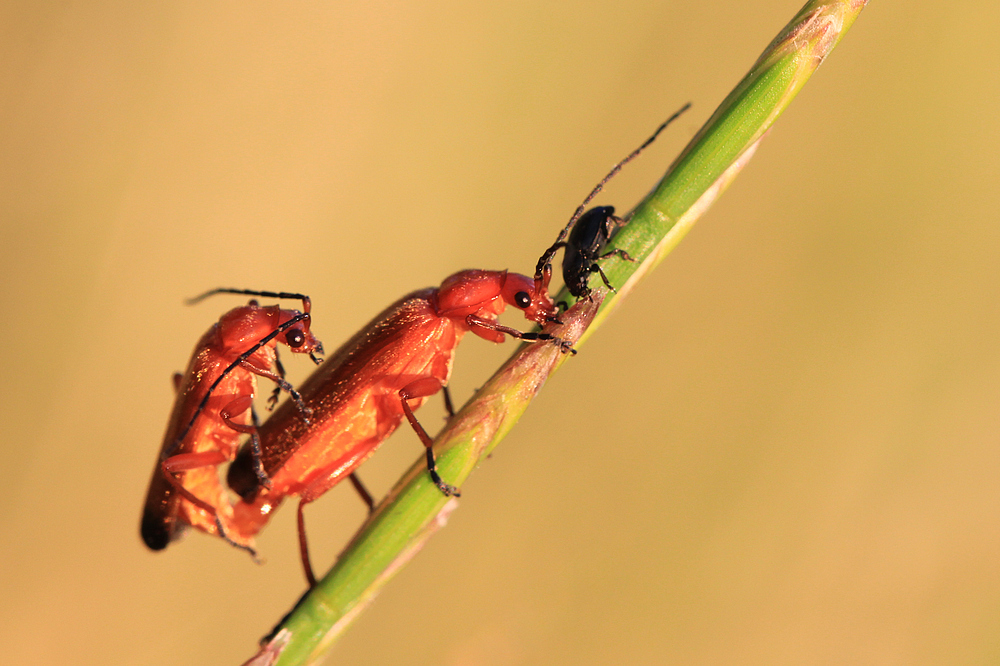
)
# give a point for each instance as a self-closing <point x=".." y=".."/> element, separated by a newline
<point x="446" y="489"/>
<point x="235" y="544"/>
<point x="565" y="346"/>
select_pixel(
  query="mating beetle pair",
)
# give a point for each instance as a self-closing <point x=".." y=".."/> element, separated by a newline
<point x="353" y="402"/>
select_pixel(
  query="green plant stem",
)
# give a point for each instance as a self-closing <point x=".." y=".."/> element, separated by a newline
<point x="415" y="508"/>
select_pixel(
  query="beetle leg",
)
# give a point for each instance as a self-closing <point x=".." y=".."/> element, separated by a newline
<point x="421" y="388"/>
<point x="239" y="406"/>
<point x="620" y="252"/>
<point x="177" y="379"/>
<point x="272" y="400"/>
<point x="596" y="268"/>
<point x="183" y="462"/>
<point x="543" y="269"/>
<point x="283" y="385"/>
<point x="188" y="461"/>
<point x="236" y="544"/>
<point x="564" y="345"/>
<point x="310" y="494"/>
<point x="256" y="452"/>
<point x="235" y="408"/>
<point x="304" y="547"/>
<point x="612" y="222"/>
<point x="258" y="462"/>
<point x="448" y="406"/>
<point x="366" y="496"/>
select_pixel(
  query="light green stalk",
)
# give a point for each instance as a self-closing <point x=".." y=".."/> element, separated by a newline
<point x="415" y="508"/>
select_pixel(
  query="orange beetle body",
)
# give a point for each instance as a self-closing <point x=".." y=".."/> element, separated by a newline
<point x="361" y="394"/>
<point x="210" y="414"/>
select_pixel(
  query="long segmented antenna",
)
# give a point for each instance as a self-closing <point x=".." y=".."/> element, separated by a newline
<point x="546" y="257"/>
<point x="306" y="302"/>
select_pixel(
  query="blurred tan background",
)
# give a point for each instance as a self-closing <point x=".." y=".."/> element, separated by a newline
<point x="784" y="449"/>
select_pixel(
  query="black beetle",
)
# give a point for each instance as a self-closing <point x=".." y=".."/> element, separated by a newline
<point x="584" y="247"/>
<point x="590" y="232"/>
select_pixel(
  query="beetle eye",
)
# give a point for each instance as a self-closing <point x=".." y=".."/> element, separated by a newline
<point x="522" y="299"/>
<point x="295" y="338"/>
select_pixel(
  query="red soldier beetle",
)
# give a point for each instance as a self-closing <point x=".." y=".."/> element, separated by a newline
<point x="205" y="427"/>
<point x="590" y="232"/>
<point x="361" y="394"/>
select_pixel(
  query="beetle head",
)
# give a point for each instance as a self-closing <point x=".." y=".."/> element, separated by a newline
<point x="243" y="327"/>
<point x="298" y="337"/>
<point x="530" y="296"/>
<point x="488" y="293"/>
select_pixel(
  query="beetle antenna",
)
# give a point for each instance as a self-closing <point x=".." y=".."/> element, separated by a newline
<point x="547" y="255"/>
<point x="306" y="302"/>
<point x="618" y="167"/>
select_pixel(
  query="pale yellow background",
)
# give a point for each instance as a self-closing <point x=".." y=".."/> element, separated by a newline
<point x="784" y="449"/>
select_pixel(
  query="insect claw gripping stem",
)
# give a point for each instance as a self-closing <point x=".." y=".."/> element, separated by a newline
<point x="301" y="521"/>
<point x="446" y="489"/>
<point x="565" y="346"/>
